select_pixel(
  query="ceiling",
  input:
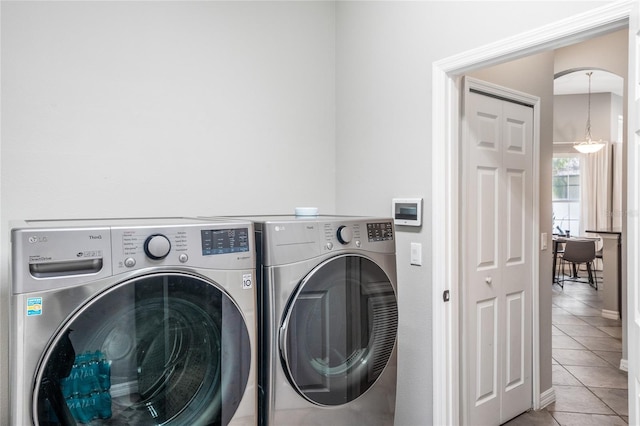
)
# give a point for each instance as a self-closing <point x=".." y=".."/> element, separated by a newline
<point x="578" y="82"/>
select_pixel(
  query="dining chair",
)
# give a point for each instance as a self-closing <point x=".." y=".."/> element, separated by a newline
<point x="576" y="253"/>
<point x="558" y="251"/>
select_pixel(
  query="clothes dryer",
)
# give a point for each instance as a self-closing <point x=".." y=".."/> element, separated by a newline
<point x="328" y="320"/>
<point x="141" y="321"/>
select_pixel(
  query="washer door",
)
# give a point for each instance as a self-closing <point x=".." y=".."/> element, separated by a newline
<point x="339" y="330"/>
<point x="167" y="348"/>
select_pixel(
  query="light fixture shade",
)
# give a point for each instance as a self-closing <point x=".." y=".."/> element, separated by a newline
<point x="589" y="147"/>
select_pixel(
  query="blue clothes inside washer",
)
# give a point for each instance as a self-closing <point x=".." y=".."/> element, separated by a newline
<point x="86" y="389"/>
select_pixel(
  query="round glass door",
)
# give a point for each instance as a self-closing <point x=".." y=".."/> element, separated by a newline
<point x="340" y="330"/>
<point x="164" y="349"/>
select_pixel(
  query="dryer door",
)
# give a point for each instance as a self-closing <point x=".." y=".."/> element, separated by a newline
<point x="170" y="349"/>
<point x="339" y="330"/>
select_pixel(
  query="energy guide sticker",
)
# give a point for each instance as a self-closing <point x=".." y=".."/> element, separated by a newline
<point x="34" y="306"/>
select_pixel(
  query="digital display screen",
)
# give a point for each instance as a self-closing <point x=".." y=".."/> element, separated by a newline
<point x="223" y="241"/>
<point x="380" y="231"/>
<point x="408" y="211"/>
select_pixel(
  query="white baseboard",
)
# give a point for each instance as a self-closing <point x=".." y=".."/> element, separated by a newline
<point x="614" y="315"/>
<point x="547" y="397"/>
<point x="624" y="364"/>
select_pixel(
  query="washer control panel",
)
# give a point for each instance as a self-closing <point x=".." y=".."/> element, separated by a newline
<point x="227" y="246"/>
<point x="60" y="253"/>
<point x="157" y="246"/>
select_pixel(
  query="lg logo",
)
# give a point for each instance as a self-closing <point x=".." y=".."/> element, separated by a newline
<point x="35" y="239"/>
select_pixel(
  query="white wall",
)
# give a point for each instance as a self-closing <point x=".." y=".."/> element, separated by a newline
<point x="570" y="116"/>
<point x="384" y="56"/>
<point x="166" y="108"/>
<point x="163" y="108"/>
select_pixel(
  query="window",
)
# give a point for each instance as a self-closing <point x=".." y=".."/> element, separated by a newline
<point x="566" y="193"/>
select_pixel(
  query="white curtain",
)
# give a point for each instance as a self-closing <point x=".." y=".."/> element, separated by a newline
<point x="617" y="195"/>
<point x="600" y="179"/>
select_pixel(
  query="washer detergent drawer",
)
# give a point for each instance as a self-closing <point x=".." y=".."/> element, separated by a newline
<point x="56" y="258"/>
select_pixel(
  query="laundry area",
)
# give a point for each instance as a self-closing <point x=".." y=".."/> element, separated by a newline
<point x="174" y="321"/>
<point x="244" y="212"/>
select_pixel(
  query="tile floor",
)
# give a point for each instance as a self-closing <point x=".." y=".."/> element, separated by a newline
<point x="590" y="388"/>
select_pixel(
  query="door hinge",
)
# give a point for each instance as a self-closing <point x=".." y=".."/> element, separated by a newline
<point x="446" y="296"/>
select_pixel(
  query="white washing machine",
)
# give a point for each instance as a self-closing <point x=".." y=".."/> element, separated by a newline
<point x="329" y="320"/>
<point x="141" y="321"/>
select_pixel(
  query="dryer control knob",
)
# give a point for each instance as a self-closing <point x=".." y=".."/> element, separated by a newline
<point x="344" y="234"/>
<point x="157" y="246"/>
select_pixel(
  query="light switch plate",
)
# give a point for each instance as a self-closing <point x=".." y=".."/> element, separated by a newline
<point x="416" y="254"/>
<point x="543" y="241"/>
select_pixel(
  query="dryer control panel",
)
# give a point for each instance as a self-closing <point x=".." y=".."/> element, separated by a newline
<point x="288" y="241"/>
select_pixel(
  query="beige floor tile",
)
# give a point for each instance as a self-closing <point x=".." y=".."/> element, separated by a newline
<point x="599" y="343"/>
<point x="565" y="342"/>
<point x="583" y="311"/>
<point x="579" y="419"/>
<point x="582" y="330"/>
<point x="568" y="319"/>
<point x="585" y="357"/>
<point x="578" y="399"/>
<point x="602" y="322"/>
<point x="600" y="377"/>
<point x="612" y="358"/>
<point x="555" y="331"/>
<point x="562" y="377"/>
<point x="533" y="418"/>
<point x="586" y="351"/>
<point x="615" y="332"/>
<point x="616" y="399"/>
<point x="557" y="311"/>
<point x="569" y="302"/>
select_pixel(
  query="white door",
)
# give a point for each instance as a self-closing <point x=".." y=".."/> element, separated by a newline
<point x="633" y="218"/>
<point x="497" y="243"/>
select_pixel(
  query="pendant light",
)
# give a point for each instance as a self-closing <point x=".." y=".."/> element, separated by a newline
<point x="588" y="146"/>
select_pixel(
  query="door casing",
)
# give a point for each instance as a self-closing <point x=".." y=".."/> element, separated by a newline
<point x="446" y="86"/>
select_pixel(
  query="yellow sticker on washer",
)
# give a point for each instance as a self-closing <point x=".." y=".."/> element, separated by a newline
<point x="34" y="306"/>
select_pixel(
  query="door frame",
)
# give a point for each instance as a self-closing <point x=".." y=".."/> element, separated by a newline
<point x="446" y="86"/>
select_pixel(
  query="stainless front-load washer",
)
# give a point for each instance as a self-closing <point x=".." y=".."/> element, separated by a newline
<point x="141" y="321"/>
<point x="329" y="319"/>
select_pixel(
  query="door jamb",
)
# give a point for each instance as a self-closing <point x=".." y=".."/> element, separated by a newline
<point x="446" y="86"/>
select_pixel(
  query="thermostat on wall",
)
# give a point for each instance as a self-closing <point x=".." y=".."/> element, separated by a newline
<point x="407" y="211"/>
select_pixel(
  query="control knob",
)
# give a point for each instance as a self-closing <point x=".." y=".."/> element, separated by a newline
<point x="157" y="246"/>
<point x="344" y="234"/>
